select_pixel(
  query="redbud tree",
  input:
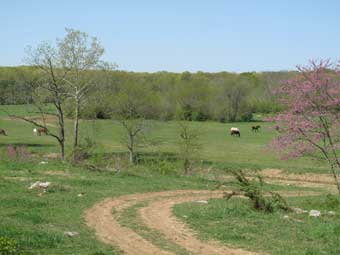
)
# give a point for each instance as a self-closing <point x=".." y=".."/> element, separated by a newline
<point x="310" y="123"/>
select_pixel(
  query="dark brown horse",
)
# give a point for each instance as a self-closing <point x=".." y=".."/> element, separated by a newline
<point x="255" y="128"/>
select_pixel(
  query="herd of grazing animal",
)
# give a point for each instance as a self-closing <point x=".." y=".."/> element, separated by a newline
<point x="234" y="131"/>
<point x="36" y="131"/>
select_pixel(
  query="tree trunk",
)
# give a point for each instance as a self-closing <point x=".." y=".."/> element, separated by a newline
<point x="132" y="157"/>
<point x="336" y="176"/>
<point x="76" y="126"/>
<point x="61" y="123"/>
<point x="229" y="108"/>
<point x="131" y="149"/>
<point x="62" y="150"/>
<point x="186" y="165"/>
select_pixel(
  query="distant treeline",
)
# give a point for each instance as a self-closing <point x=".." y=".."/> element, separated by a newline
<point x="222" y="96"/>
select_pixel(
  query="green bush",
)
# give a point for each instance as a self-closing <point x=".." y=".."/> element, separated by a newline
<point x="10" y="247"/>
<point x="247" y="117"/>
<point x="332" y="201"/>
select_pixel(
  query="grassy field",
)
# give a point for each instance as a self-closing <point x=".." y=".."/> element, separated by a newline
<point x="218" y="147"/>
<point x="38" y="220"/>
<point x="234" y="222"/>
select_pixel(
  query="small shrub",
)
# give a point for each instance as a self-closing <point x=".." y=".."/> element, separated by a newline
<point x="18" y="153"/>
<point x="332" y="201"/>
<point x="163" y="165"/>
<point x="98" y="253"/>
<point x="253" y="189"/>
<point x="189" y="145"/>
<point x="23" y="153"/>
<point x="79" y="154"/>
<point x="118" y="163"/>
<point x="10" y="247"/>
<point x="11" y="152"/>
<point x="54" y="188"/>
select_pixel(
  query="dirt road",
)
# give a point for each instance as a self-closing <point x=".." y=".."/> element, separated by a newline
<point x="157" y="215"/>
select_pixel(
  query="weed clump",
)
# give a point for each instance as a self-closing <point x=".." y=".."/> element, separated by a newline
<point x="253" y="188"/>
<point x="10" y="247"/>
<point x="19" y="152"/>
<point x="332" y="201"/>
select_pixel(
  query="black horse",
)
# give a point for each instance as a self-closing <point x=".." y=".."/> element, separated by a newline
<point x="255" y="128"/>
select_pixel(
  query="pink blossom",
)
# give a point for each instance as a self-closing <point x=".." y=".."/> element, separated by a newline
<point x="311" y="118"/>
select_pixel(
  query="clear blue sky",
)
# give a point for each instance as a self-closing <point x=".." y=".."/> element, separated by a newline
<point x="179" y="35"/>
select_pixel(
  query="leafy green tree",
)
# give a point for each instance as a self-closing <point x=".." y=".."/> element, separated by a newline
<point x="81" y="56"/>
<point x="132" y="106"/>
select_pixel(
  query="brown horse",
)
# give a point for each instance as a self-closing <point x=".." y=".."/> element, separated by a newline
<point x="3" y="132"/>
<point x="39" y="131"/>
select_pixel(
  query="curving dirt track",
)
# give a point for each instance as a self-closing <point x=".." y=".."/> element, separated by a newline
<point x="156" y="215"/>
<point x="309" y="180"/>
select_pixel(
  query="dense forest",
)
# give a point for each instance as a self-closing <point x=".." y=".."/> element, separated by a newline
<point x="222" y="96"/>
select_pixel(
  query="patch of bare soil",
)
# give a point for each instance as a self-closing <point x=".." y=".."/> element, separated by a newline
<point x="158" y="215"/>
<point x="49" y="119"/>
<point x="57" y="173"/>
<point x="310" y="180"/>
<point x="310" y="177"/>
<point x="108" y="230"/>
<point x="52" y="155"/>
<point x="16" y="178"/>
<point x="102" y="217"/>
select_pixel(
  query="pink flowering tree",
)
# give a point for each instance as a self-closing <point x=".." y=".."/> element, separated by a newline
<point x="310" y="123"/>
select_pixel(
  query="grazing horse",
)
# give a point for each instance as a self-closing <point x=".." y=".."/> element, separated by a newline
<point x="255" y="128"/>
<point x="39" y="131"/>
<point x="235" y="132"/>
<point x="3" y="132"/>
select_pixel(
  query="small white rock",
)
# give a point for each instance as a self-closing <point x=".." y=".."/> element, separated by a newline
<point x="80" y="194"/>
<point x="39" y="184"/>
<point x="286" y="217"/>
<point x="43" y="162"/>
<point x="331" y="213"/>
<point x="71" y="234"/>
<point x="299" y="210"/>
<point x="314" y="213"/>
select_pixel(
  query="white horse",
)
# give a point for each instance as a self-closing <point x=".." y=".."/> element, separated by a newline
<point x="235" y="131"/>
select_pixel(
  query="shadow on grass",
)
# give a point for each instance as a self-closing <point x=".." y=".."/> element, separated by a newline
<point x="34" y="145"/>
<point x="141" y="157"/>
